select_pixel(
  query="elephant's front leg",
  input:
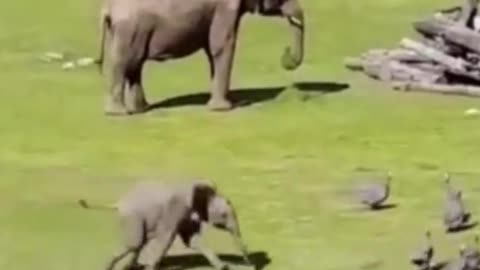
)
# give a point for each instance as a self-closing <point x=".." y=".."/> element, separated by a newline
<point x="134" y="95"/>
<point x="157" y="248"/>
<point x="115" y="103"/>
<point x="222" y="43"/>
<point x="136" y="54"/>
<point x="213" y="259"/>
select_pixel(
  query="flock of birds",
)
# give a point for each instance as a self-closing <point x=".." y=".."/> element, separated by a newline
<point x="455" y="218"/>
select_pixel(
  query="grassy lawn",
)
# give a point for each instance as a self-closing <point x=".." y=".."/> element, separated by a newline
<point x="284" y="161"/>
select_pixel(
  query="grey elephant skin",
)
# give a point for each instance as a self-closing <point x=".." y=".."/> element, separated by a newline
<point x="153" y="214"/>
<point x="134" y="31"/>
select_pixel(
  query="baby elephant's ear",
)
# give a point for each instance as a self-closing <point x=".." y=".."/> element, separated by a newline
<point x="271" y="4"/>
<point x="202" y="193"/>
<point x="205" y="185"/>
<point x="251" y="6"/>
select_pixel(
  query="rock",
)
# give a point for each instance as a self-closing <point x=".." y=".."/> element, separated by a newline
<point x="86" y="61"/>
<point x="472" y="112"/>
<point x="52" y="57"/>
<point x="55" y="56"/>
<point x="68" y="65"/>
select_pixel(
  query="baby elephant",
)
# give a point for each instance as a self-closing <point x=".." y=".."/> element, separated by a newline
<point x="153" y="214"/>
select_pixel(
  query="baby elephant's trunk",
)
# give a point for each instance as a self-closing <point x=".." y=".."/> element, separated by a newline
<point x="237" y="236"/>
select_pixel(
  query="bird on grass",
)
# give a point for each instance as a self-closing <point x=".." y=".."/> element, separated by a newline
<point x="374" y="194"/>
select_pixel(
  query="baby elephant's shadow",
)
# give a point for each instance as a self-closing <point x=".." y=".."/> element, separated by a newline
<point x="188" y="261"/>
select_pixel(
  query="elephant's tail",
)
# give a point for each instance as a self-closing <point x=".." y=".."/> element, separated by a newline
<point x="83" y="203"/>
<point x="106" y="25"/>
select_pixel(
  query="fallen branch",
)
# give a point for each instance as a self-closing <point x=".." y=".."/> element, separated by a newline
<point x="396" y="71"/>
<point x="399" y="54"/>
<point x="445" y="89"/>
<point x="446" y="58"/>
<point x="353" y="63"/>
<point x="451" y="31"/>
<point x="455" y="65"/>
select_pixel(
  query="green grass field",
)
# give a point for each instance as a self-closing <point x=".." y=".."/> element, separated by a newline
<point x="284" y="162"/>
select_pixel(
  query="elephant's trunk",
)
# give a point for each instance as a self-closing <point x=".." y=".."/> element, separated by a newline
<point x="293" y="55"/>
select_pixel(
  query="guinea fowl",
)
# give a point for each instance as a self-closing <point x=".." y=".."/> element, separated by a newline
<point x="451" y="191"/>
<point x="471" y="254"/>
<point x="457" y="264"/>
<point x="422" y="258"/>
<point x="375" y="194"/>
<point x="455" y="216"/>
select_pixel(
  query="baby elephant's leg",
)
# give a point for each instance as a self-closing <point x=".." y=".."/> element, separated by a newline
<point x="117" y="258"/>
<point x="158" y="246"/>
<point x="134" y="240"/>
<point x="195" y="243"/>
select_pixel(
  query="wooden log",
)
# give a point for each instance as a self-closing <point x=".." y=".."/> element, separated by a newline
<point x="354" y="63"/>
<point x="384" y="71"/>
<point x="452" y="32"/>
<point x="440" y="44"/>
<point x="463" y="36"/>
<point x="452" y="63"/>
<point x="407" y="56"/>
<point x="430" y="67"/>
<point x="398" y="54"/>
<point x="473" y="58"/>
<point x="433" y="26"/>
<point x="391" y="70"/>
<point x="469" y="11"/>
<point x="438" y="73"/>
<point x="375" y="53"/>
<point x="396" y="71"/>
<point x="373" y="68"/>
<point x="450" y="10"/>
<point x="374" y="57"/>
<point x="476" y="23"/>
<point x="445" y="89"/>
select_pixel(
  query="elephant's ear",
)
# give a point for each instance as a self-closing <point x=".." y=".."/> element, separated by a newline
<point x="202" y="194"/>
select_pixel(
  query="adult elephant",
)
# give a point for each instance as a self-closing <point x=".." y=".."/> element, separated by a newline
<point x="139" y="30"/>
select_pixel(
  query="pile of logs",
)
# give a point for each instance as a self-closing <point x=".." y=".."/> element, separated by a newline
<point x="445" y="59"/>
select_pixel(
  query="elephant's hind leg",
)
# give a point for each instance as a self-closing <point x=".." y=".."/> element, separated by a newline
<point x="157" y="248"/>
<point x="134" y="237"/>
<point x="117" y="258"/>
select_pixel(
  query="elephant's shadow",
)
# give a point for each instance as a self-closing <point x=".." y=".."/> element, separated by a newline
<point x="189" y="261"/>
<point x="250" y="96"/>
